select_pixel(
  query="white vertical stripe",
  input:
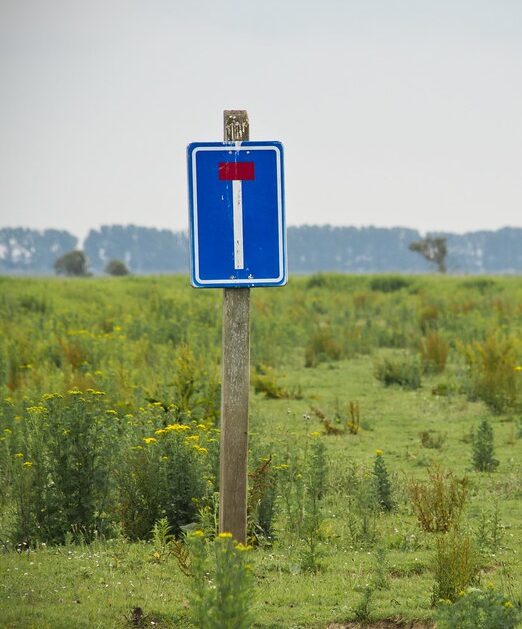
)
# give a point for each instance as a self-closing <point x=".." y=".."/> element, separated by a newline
<point x="237" y="196"/>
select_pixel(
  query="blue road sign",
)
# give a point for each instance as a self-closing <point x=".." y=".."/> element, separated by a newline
<point x="237" y="221"/>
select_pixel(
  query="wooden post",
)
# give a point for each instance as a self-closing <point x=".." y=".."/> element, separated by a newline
<point x="235" y="386"/>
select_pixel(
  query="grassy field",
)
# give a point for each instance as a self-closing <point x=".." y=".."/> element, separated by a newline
<point x="386" y="450"/>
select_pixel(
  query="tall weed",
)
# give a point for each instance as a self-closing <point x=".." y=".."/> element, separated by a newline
<point x="434" y="351"/>
<point x="168" y="475"/>
<point x="439" y="501"/>
<point x="456" y="566"/>
<point x="483" y="449"/>
<point x="221" y="584"/>
<point x="403" y="371"/>
<point x="492" y="373"/>
<point x="479" y="609"/>
<point x="68" y="451"/>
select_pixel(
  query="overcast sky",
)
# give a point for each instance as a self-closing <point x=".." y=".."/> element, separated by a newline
<point x="392" y="112"/>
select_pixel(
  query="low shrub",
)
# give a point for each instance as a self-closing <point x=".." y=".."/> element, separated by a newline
<point x="383" y="488"/>
<point x="389" y="283"/>
<point x="403" y="371"/>
<point x="479" y="609"/>
<point x="322" y="347"/>
<point x="428" y="318"/>
<point x="167" y="475"/>
<point x="432" y="439"/>
<point x="62" y="472"/>
<point x="438" y="503"/>
<point x="492" y="371"/>
<point x="456" y="566"/>
<point x="221" y="584"/>
<point x="483" y="449"/>
<point x="434" y="352"/>
<point x="264" y="380"/>
<point x="261" y="506"/>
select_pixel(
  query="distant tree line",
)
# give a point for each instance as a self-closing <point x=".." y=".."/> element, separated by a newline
<point x="117" y="249"/>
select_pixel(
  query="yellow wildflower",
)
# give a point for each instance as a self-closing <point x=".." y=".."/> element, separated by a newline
<point x="518" y="368"/>
<point x="35" y="409"/>
<point x="161" y="431"/>
<point x="508" y="604"/>
<point x="242" y="547"/>
<point x="315" y="434"/>
<point x="378" y="452"/>
<point x="178" y="427"/>
<point x="19" y="455"/>
<point x="198" y="533"/>
<point x="149" y="440"/>
<point x="74" y="392"/>
<point x="225" y="535"/>
<point x="192" y="438"/>
<point x="28" y="464"/>
<point x="51" y="396"/>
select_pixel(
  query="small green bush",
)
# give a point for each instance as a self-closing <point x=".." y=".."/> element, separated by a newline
<point x="483" y="449"/>
<point x="222" y="583"/>
<point x="167" y="475"/>
<point x="264" y="380"/>
<point x="383" y="488"/>
<point x="316" y="471"/>
<point x="432" y="439"/>
<point x="479" y="609"/>
<point x="492" y="373"/>
<point x="62" y="471"/>
<point x="438" y="503"/>
<point x="322" y="347"/>
<point x="456" y="566"/>
<point x="389" y="284"/>
<point x="434" y="352"/>
<point x="261" y="506"/>
<point x="403" y="371"/>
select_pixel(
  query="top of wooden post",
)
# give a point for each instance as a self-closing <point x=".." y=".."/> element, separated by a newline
<point x="235" y="125"/>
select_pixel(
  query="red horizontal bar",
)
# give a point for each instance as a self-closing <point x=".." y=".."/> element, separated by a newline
<point x="236" y="170"/>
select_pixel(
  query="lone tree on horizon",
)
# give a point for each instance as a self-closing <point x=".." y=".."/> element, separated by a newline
<point x="116" y="268"/>
<point x="73" y="264"/>
<point x="433" y="249"/>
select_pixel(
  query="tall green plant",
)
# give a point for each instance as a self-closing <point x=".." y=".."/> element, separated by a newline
<point x="479" y="609"/>
<point x="456" y="566"/>
<point x="492" y="372"/>
<point x="439" y="501"/>
<point x="221" y="585"/>
<point x="166" y="475"/>
<point x="483" y="448"/>
<point x="383" y="488"/>
<point x="68" y="446"/>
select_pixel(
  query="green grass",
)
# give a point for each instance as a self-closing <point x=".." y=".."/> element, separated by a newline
<point x="132" y="329"/>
